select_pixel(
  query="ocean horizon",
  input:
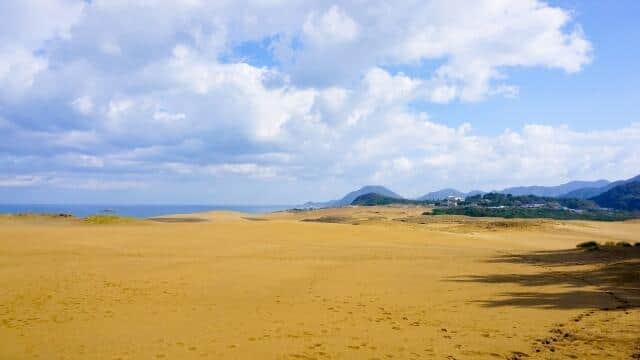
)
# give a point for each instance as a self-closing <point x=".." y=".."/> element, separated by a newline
<point x="137" y="211"/>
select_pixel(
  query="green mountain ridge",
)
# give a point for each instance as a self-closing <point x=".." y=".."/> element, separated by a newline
<point x="591" y="191"/>
<point x="622" y="197"/>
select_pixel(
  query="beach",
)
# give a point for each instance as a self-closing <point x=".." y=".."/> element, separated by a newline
<point x="349" y="283"/>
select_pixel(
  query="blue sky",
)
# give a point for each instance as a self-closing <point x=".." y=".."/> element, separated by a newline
<point x="604" y="94"/>
<point x="258" y="102"/>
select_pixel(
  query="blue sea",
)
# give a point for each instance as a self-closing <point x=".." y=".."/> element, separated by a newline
<point x="138" y="211"/>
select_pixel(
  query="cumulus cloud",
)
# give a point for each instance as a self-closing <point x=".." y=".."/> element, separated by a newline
<point x="126" y="91"/>
<point x="25" y="29"/>
<point x="536" y="154"/>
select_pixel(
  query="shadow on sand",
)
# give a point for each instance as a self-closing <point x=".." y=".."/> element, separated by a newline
<point x="605" y="278"/>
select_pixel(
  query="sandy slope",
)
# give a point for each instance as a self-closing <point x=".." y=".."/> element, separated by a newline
<point x="232" y="287"/>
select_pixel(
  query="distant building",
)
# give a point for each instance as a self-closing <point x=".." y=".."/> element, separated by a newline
<point x="452" y="200"/>
<point x="533" y="206"/>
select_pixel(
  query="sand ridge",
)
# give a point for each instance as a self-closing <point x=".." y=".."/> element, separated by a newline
<point x="283" y="288"/>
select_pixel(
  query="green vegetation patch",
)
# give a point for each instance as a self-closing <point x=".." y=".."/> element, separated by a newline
<point x="536" y="213"/>
<point x="373" y="199"/>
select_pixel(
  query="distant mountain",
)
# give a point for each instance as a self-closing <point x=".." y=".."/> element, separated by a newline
<point x="622" y="197"/>
<point x="348" y="199"/>
<point x="573" y="189"/>
<point x="591" y="191"/>
<point x="554" y="191"/>
<point x="440" y="194"/>
<point x="444" y="193"/>
<point x="586" y="193"/>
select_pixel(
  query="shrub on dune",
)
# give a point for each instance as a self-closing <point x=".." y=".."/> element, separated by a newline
<point x="588" y="245"/>
<point x="107" y="219"/>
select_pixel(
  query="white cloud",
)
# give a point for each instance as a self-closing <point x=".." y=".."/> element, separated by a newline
<point x="333" y="26"/>
<point x="117" y="108"/>
<point x="111" y="47"/>
<point x="536" y="155"/>
<point x="83" y="105"/>
<point x="166" y="117"/>
<point x="402" y="164"/>
<point x="81" y="160"/>
<point x="24" y="29"/>
<point x="18" y="68"/>
<point x="19" y="181"/>
<point x="162" y="87"/>
<point x="442" y="94"/>
<point x="246" y="169"/>
<point x="95" y="184"/>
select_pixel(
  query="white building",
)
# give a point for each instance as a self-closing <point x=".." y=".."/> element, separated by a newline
<point x="452" y="200"/>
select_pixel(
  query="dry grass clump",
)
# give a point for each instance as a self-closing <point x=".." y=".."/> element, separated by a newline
<point x="108" y="219"/>
<point x="588" y="245"/>
<point x="28" y="215"/>
<point x="38" y="218"/>
<point x="514" y="224"/>
<point x="330" y="219"/>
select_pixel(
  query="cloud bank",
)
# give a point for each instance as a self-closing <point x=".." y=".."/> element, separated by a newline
<point x="128" y="95"/>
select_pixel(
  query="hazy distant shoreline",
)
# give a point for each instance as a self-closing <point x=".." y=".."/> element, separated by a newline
<point x="137" y="211"/>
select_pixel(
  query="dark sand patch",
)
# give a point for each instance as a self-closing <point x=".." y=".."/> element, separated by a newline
<point x="255" y="218"/>
<point x="178" y="219"/>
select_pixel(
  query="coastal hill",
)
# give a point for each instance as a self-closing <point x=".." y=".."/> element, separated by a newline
<point x="554" y="191"/>
<point x="623" y="197"/>
<point x="348" y="198"/>
<point x="591" y="191"/>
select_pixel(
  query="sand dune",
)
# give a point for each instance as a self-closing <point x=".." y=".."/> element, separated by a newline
<point x="353" y="283"/>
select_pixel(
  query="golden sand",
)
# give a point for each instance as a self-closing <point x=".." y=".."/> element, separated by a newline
<point x="353" y="283"/>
